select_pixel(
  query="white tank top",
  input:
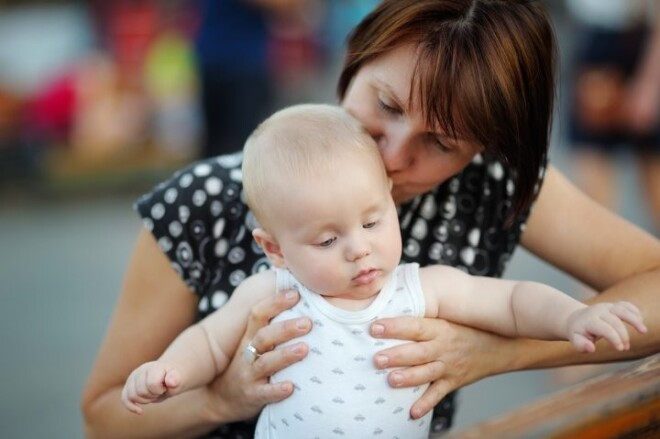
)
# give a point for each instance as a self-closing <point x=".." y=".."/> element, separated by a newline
<point x="338" y="392"/>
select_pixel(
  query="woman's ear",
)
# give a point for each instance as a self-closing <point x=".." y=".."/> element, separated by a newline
<point x="270" y="247"/>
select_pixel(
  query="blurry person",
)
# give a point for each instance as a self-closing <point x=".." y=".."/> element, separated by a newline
<point x="616" y="95"/>
<point x="237" y="90"/>
<point x="171" y="84"/>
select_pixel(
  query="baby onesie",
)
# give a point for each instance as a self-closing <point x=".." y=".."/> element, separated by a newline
<point x="338" y="392"/>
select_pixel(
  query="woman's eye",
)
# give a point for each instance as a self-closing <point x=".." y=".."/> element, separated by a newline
<point x="442" y="146"/>
<point x="388" y="108"/>
<point x="369" y="225"/>
<point x="327" y="242"/>
<point x="439" y="144"/>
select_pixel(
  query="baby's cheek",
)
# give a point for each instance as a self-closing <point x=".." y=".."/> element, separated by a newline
<point x="323" y="280"/>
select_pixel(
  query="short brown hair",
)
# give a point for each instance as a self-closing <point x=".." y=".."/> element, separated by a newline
<point x="485" y="70"/>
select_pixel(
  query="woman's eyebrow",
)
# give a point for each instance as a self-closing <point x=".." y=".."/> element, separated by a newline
<point x="388" y="88"/>
<point x="444" y="136"/>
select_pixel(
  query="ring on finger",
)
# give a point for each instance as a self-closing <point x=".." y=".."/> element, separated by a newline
<point x="250" y="353"/>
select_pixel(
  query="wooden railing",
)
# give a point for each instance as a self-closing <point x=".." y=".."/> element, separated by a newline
<point x="621" y="404"/>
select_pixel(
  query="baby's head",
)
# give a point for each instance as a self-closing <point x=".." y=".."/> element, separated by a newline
<point x="299" y="144"/>
<point x="316" y="183"/>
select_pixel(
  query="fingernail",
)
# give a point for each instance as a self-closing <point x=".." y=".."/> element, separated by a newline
<point x="396" y="379"/>
<point x="297" y="349"/>
<point x="302" y="324"/>
<point x="377" y="329"/>
<point x="284" y="387"/>
<point x="291" y="294"/>
<point x="381" y="360"/>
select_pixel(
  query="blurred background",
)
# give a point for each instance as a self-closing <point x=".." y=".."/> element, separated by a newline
<point x="101" y="100"/>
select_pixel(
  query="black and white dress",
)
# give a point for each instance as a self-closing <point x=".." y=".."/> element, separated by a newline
<point x="200" y="220"/>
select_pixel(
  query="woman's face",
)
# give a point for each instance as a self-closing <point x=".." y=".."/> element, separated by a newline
<point x="417" y="157"/>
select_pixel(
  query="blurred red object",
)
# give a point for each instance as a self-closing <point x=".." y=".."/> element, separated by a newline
<point x="50" y="113"/>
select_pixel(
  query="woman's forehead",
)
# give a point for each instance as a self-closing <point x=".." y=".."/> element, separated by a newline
<point x="394" y="69"/>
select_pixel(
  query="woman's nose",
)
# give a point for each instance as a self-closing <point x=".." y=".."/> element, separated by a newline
<point x="395" y="155"/>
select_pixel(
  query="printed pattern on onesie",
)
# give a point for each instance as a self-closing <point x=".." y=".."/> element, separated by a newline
<point x="338" y="390"/>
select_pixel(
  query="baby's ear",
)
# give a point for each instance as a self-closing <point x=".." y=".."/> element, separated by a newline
<point x="270" y="247"/>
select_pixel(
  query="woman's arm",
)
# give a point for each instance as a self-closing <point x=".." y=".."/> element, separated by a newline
<point x="571" y="232"/>
<point x="577" y="235"/>
<point x="604" y="251"/>
<point x="153" y="308"/>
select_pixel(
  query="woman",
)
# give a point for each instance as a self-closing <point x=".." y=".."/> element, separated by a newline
<point x="459" y="96"/>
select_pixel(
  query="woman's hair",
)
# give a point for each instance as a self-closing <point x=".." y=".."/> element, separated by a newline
<point x="485" y="71"/>
<point x="305" y="141"/>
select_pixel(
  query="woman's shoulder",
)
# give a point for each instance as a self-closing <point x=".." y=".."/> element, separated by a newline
<point x="197" y="181"/>
<point x="202" y="191"/>
<point x="201" y="222"/>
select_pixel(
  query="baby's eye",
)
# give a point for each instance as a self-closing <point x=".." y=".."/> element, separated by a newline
<point x="369" y="225"/>
<point x="327" y="242"/>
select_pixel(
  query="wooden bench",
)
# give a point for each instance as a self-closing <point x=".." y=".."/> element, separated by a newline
<point x="620" y="404"/>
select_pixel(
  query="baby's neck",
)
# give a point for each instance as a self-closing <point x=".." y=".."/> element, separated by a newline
<point x="350" y="304"/>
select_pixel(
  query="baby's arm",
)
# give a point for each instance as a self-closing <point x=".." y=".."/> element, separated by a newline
<point x="199" y="353"/>
<point x="525" y="309"/>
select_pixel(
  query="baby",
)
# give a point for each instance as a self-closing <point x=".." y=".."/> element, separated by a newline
<point x="316" y="183"/>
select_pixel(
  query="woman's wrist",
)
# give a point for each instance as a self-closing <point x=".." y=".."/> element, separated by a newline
<point x="531" y="354"/>
<point x="507" y="355"/>
<point x="528" y="354"/>
<point x="215" y="411"/>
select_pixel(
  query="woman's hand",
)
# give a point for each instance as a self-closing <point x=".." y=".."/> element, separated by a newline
<point x="446" y="355"/>
<point x="243" y="389"/>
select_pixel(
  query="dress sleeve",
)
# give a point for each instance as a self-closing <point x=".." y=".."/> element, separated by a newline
<point x="202" y="224"/>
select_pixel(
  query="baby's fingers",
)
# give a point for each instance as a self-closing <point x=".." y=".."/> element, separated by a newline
<point x="582" y="343"/>
<point x="172" y="381"/>
<point x="129" y="396"/>
<point x="131" y="406"/>
<point x="630" y="314"/>
<point x="612" y="329"/>
<point x="153" y="384"/>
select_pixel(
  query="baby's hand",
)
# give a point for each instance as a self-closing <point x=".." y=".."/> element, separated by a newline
<point x="604" y="320"/>
<point x="151" y="382"/>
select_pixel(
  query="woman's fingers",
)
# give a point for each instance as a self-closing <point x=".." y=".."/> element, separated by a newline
<point x="416" y="375"/>
<point x="264" y="336"/>
<point x="264" y="310"/>
<point x="426" y="332"/>
<point x="431" y="397"/>
<point x="243" y="389"/>
<point x="408" y="354"/>
<point x="273" y="361"/>
<point x="407" y="328"/>
<point x="274" y="334"/>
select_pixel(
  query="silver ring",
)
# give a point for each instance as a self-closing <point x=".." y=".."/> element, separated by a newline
<point x="250" y="353"/>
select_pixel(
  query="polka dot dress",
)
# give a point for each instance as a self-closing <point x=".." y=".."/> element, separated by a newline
<point x="201" y="222"/>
